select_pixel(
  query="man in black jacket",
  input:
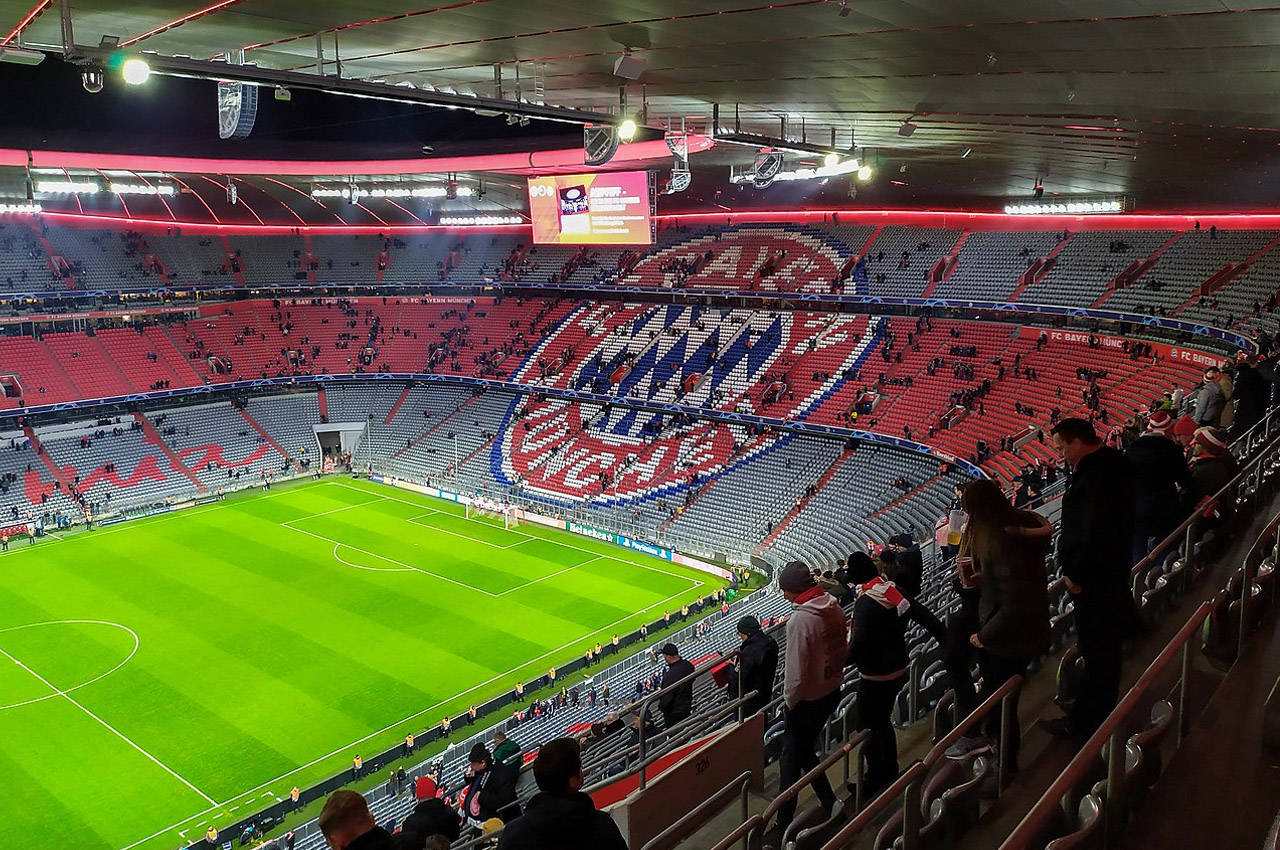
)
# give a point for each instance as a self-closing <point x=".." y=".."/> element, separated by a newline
<point x="677" y="703"/>
<point x="1159" y="469"/>
<point x="561" y="817"/>
<point x="904" y="565"/>
<point x="757" y="665"/>
<point x="1094" y="556"/>
<point x="347" y="824"/>
<point x="490" y="791"/>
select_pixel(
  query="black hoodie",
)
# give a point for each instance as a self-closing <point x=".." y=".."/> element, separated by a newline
<point x="562" y="822"/>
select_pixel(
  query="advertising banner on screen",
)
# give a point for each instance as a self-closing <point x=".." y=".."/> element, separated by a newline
<point x="591" y="209"/>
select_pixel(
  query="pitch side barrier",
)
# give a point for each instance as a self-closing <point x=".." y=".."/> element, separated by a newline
<point x="1005" y="310"/>
<point x="320" y="381"/>
<point x="652" y="549"/>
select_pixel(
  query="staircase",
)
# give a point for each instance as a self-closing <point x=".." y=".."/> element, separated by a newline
<point x="234" y="263"/>
<point x="49" y="463"/>
<point x="434" y="428"/>
<point x="152" y="436"/>
<point x="395" y="408"/>
<point x="795" y="511"/>
<point x="946" y="265"/>
<point x="270" y="440"/>
<point x="1134" y="270"/>
<point x="1038" y="270"/>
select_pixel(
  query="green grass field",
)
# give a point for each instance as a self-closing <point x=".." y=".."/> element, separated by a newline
<point x="167" y="673"/>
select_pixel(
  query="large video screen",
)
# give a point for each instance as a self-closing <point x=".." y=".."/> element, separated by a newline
<point x="591" y="209"/>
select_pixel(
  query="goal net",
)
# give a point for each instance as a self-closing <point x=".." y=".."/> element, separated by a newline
<point x="509" y="515"/>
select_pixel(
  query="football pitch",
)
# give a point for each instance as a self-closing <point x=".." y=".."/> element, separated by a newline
<point x="187" y="669"/>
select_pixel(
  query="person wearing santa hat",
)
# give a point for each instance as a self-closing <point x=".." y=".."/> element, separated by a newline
<point x="1159" y="472"/>
<point x="1212" y="468"/>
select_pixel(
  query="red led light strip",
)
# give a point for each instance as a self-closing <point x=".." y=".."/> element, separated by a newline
<point x="177" y="22"/>
<point x="23" y="24"/>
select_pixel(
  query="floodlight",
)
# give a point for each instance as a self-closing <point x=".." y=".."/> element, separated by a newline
<point x="136" y="72"/>
<point x="627" y="130"/>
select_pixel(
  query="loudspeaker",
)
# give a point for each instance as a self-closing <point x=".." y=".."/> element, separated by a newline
<point x="906" y="129"/>
<point x="628" y="67"/>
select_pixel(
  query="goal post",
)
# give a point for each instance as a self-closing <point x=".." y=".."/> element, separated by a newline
<point x="480" y="507"/>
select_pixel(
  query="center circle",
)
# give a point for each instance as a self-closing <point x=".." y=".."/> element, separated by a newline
<point x="66" y="648"/>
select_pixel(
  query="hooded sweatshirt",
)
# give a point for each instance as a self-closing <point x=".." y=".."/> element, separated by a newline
<point x="816" y="647"/>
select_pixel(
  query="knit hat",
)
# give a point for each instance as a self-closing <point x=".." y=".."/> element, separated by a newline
<point x="1159" y="423"/>
<point x="861" y="568"/>
<point x="1212" y="440"/>
<point x="904" y="540"/>
<point x="748" y="625"/>
<point x="1185" y="427"/>
<point x="479" y="753"/>
<point x="795" y="578"/>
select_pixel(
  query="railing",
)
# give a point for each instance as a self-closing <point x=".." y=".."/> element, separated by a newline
<point x="908" y="789"/>
<point x="1111" y="739"/>
<point x="1262" y="444"/>
<point x="739" y="788"/>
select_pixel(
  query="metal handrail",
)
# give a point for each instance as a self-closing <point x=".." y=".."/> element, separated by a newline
<point x="708" y="808"/>
<point x="1003" y="696"/>
<point x="1112" y="735"/>
<point x="742" y="833"/>
<point x="910" y="777"/>
<point x="841" y="752"/>
<point x="1185" y="529"/>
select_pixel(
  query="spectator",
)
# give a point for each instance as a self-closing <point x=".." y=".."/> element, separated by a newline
<point x="878" y="648"/>
<point x="677" y="703"/>
<point x="489" y="793"/>
<point x="1159" y="469"/>
<point x="1212" y="468"/>
<point x="1094" y="550"/>
<point x="507" y="752"/>
<point x="1008" y="547"/>
<point x="430" y="817"/>
<point x="816" y="649"/>
<point x="346" y="823"/>
<point x="1184" y="430"/>
<point x="1252" y="394"/>
<point x="757" y="666"/>
<point x="560" y="816"/>
<point x="1209" y="399"/>
<point x="904" y="565"/>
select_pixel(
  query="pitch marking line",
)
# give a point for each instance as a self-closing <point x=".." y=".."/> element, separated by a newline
<point x="109" y="727"/>
<point x="532" y="582"/>
<point x="342" y="560"/>
<point x="129" y="658"/>
<point x="467" y="536"/>
<point x="528" y="537"/>
<point x="349" y="747"/>
<point x="385" y="558"/>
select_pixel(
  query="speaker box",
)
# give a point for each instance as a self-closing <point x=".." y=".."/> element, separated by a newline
<point x="628" y="67"/>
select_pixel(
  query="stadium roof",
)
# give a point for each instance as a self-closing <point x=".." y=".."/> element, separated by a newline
<point x="1166" y="101"/>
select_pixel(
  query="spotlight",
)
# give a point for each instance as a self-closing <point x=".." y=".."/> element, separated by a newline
<point x="136" y="72"/>
<point x="512" y="120"/>
<point x="831" y="160"/>
<point x="92" y="80"/>
<point x="906" y="129"/>
<point x="991" y="59"/>
<point x="844" y="9"/>
<point x="864" y="173"/>
<point x="627" y="130"/>
<point x="109" y="42"/>
<point x="233" y="192"/>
